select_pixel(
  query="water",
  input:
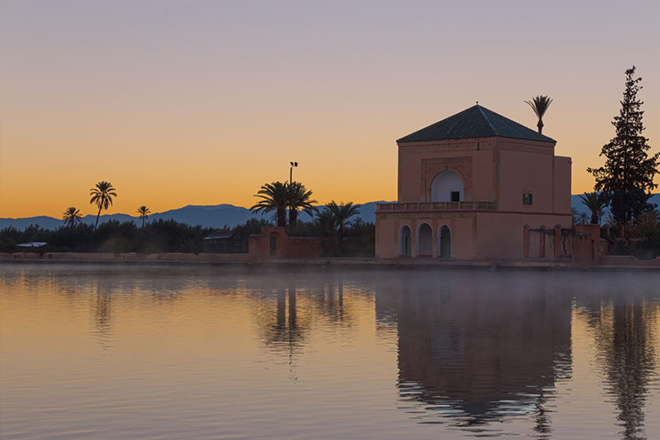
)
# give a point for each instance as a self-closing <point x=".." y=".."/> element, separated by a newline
<point x="160" y="353"/>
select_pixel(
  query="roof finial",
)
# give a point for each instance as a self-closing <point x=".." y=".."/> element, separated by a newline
<point x="477" y="102"/>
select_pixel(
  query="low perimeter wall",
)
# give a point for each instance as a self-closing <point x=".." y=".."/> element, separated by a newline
<point x="628" y="261"/>
<point x="132" y="256"/>
<point x="273" y="242"/>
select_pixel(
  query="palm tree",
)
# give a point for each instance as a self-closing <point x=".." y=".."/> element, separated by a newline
<point x="325" y="223"/>
<point x="595" y="204"/>
<point x="102" y="195"/>
<point x="274" y="197"/>
<point x="72" y="216"/>
<point x="300" y="199"/>
<point x="583" y="218"/>
<point x="540" y="105"/>
<point x="341" y="213"/>
<point x="144" y="213"/>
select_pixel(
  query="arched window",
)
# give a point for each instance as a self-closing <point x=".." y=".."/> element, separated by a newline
<point x="424" y="240"/>
<point x="444" y="242"/>
<point x="405" y="241"/>
<point x="447" y="186"/>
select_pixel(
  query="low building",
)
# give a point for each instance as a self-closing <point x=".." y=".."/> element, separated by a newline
<point x="32" y="245"/>
<point x="473" y="186"/>
<point x="220" y="242"/>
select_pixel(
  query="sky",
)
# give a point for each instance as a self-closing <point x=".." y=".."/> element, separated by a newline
<point x="201" y="102"/>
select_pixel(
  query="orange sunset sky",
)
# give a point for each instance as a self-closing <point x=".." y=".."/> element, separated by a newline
<point x="201" y="102"/>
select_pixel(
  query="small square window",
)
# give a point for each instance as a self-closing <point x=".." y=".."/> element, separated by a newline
<point x="527" y="199"/>
<point x="455" y="196"/>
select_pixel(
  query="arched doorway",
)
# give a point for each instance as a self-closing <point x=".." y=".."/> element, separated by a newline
<point x="273" y="244"/>
<point x="444" y="242"/>
<point x="424" y="240"/>
<point x="447" y="186"/>
<point x="405" y="241"/>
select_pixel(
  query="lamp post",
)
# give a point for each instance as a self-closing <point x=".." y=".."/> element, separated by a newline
<point x="293" y="165"/>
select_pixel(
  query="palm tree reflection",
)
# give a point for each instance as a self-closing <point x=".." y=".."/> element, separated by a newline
<point x="286" y="323"/>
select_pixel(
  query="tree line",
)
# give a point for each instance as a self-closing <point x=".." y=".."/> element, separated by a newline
<point x="333" y="221"/>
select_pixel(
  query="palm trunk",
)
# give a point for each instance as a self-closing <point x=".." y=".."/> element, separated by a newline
<point x="594" y="218"/>
<point x="293" y="219"/>
<point x="340" y="236"/>
<point x="96" y="225"/>
<point x="281" y="217"/>
<point x="540" y="126"/>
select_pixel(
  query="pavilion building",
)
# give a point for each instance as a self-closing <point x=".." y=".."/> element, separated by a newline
<point x="473" y="186"/>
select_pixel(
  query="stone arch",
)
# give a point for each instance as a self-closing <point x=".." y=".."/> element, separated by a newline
<point x="424" y="240"/>
<point x="273" y="241"/>
<point x="444" y="241"/>
<point x="447" y="186"/>
<point x="405" y="241"/>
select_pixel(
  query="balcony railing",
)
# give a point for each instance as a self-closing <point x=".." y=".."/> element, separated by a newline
<point x="437" y="206"/>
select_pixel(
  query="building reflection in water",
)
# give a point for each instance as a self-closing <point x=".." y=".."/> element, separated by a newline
<point x="475" y="355"/>
<point x="624" y="328"/>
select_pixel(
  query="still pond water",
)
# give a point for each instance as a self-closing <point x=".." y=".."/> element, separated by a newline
<point x="92" y="352"/>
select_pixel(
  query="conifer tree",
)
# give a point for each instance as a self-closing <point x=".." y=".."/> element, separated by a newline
<point x="625" y="181"/>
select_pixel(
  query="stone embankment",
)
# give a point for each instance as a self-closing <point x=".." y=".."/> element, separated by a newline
<point x="607" y="262"/>
<point x="130" y="257"/>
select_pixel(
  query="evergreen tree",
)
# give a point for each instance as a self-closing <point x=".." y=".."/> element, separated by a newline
<point x="626" y="180"/>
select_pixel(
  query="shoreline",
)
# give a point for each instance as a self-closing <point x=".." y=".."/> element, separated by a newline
<point x="242" y="261"/>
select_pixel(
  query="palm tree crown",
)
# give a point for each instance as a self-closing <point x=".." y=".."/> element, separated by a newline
<point x="144" y="213"/>
<point x="341" y="213"/>
<point x="325" y="222"/>
<point x="595" y="204"/>
<point x="102" y="195"/>
<point x="540" y="105"/>
<point x="72" y="216"/>
<point x="299" y="199"/>
<point x="274" y="197"/>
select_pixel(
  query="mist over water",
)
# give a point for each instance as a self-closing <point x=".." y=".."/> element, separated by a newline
<point x="170" y="353"/>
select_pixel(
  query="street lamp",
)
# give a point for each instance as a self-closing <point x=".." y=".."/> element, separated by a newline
<point x="293" y="165"/>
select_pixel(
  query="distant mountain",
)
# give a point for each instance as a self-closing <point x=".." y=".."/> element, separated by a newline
<point x="576" y="202"/>
<point x="210" y="216"/>
<point x="213" y="216"/>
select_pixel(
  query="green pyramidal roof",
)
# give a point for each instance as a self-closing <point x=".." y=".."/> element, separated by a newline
<point x="475" y="122"/>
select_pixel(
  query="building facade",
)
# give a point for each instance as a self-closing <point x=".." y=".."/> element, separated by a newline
<point x="471" y="187"/>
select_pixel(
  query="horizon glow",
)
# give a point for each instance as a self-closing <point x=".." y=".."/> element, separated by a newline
<point x="200" y="103"/>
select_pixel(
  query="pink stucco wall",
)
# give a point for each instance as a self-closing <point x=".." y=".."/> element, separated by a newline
<point x="286" y="247"/>
<point x="546" y="176"/>
<point x="500" y="235"/>
<point x="471" y="159"/>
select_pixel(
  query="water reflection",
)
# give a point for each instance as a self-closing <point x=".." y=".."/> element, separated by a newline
<point x="625" y="330"/>
<point x="407" y="354"/>
<point x="467" y="355"/>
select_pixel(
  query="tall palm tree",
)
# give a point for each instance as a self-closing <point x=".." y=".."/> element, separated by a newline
<point x="300" y="199"/>
<point x="102" y="195"/>
<point x="144" y="213"/>
<point x="72" y="216"/>
<point x="540" y="105"/>
<point x="595" y="204"/>
<point x="274" y="197"/>
<point x="341" y="213"/>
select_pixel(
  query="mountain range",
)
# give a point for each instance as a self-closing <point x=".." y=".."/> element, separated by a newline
<point x="209" y="216"/>
<point x="213" y="216"/>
